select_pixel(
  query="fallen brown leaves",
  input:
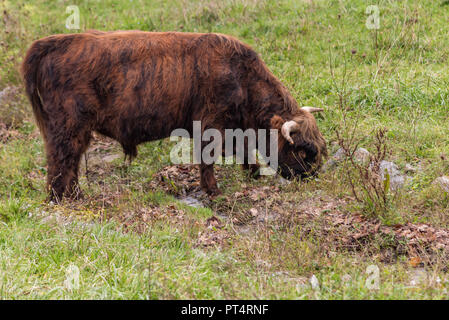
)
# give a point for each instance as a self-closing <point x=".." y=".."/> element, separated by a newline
<point x="213" y="235"/>
<point x="7" y="134"/>
<point x="140" y="219"/>
<point x="354" y="232"/>
<point x="265" y="205"/>
<point x="178" y="180"/>
<point x="328" y="219"/>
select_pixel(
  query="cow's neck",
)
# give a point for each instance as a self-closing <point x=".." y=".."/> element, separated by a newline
<point x="267" y="101"/>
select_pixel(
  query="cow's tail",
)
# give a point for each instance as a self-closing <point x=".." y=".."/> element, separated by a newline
<point x="30" y="73"/>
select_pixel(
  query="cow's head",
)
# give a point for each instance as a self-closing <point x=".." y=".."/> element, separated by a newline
<point x="301" y="146"/>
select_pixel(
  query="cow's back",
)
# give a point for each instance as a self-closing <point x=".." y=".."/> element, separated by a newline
<point x="138" y="86"/>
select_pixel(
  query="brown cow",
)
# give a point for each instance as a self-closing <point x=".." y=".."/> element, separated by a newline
<point x="138" y="86"/>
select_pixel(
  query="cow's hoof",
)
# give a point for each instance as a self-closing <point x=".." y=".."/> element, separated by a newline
<point x="253" y="171"/>
<point x="213" y="193"/>
<point x="255" y="175"/>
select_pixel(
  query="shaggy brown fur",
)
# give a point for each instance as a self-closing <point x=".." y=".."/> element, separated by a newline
<point x="137" y="86"/>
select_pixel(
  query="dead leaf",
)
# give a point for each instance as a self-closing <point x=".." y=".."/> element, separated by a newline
<point x="214" y="222"/>
<point x="415" y="262"/>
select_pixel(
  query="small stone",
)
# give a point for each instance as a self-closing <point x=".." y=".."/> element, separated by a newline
<point x="253" y="212"/>
<point x="339" y="155"/>
<point x="397" y="180"/>
<point x="314" y="282"/>
<point x="7" y="94"/>
<point x="409" y="168"/>
<point x="360" y="155"/>
<point x="443" y="183"/>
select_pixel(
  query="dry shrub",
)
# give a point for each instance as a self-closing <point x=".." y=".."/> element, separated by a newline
<point x="367" y="185"/>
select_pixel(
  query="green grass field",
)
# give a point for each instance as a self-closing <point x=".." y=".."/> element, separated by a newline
<point x="132" y="238"/>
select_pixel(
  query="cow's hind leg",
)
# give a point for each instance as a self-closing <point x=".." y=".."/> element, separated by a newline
<point x="63" y="157"/>
<point x="65" y="145"/>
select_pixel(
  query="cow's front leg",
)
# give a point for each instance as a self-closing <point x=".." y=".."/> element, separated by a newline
<point x="208" y="181"/>
<point x="253" y="170"/>
<point x="250" y="163"/>
<point x="208" y="158"/>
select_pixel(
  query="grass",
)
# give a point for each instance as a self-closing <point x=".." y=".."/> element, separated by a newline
<point x="131" y="238"/>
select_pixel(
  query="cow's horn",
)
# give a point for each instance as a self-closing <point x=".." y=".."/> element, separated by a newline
<point x="289" y="127"/>
<point x="312" y="109"/>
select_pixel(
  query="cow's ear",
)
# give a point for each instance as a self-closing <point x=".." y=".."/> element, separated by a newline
<point x="276" y="122"/>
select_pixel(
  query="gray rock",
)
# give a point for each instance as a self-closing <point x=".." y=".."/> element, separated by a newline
<point x="410" y="169"/>
<point x="328" y="165"/>
<point x="339" y="155"/>
<point x="361" y="155"/>
<point x="397" y="179"/>
<point x="443" y="183"/>
<point x="315" y="284"/>
<point x="7" y="94"/>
